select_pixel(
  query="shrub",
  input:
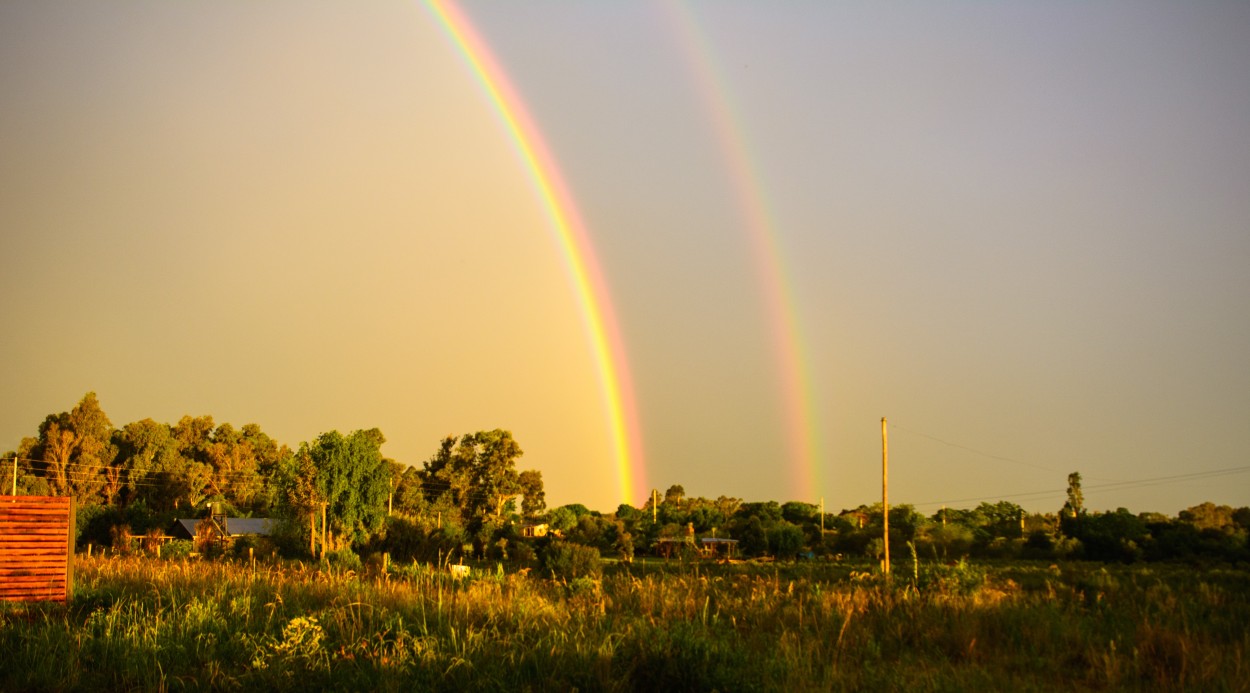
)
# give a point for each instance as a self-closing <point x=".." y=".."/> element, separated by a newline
<point x="522" y="552"/>
<point x="344" y="559"/>
<point x="566" y="560"/>
<point x="177" y="549"/>
<point x="262" y="547"/>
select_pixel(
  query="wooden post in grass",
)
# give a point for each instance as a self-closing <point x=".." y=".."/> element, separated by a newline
<point x="885" y="495"/>
<point x="324" y="531"/>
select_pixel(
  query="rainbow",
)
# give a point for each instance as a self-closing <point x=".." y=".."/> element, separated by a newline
<point x="577" y="252"/>
<point x="803" y="445"/>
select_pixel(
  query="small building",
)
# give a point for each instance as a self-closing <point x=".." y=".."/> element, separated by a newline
<point x="219" y="529"/>
<point x="533" y="531"/>
<point x="714" y="547"/>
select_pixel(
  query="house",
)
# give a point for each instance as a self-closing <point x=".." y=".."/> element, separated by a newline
<point x="531" y="531"/>
<point x="219" y="529"/>
<point x="234" y="527"/>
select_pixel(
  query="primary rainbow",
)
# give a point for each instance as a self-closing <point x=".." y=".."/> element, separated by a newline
<point x="803" y="446"/>
<point x="578" y="254"/>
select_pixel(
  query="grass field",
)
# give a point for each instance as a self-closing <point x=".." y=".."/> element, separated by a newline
<point x="147" y="624"/>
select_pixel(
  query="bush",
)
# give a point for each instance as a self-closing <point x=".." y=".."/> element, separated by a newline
<point x="262" y="547"/>
<point x="177" y="549"/>
<point x="522" y="552"/>
<point x="344" y="559"/>
<point x="566" y="560"/>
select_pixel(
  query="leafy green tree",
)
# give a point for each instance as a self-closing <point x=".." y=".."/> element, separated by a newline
<point x="533" y="498"/>
<point x="409" y="497"/>
<point x="75" y="448"/>
<point x="234" y="475"/>
<point x="268" y="453"/>
<point x="1115" y="536"/>
<point x="1075" y="505"/>
<point x="563" y="518"/>
<point x="195" y="473"/>
<point x="1001" y="519"/>
<point x="674" y="494"/>
<point x="146" y="455"/>
<point x="800" y="513"/>
<point x="478" y="471"/>
<point x="1209" y="516"/>
<point x="354" y="479"/>
<point x="298" y="491"/>
<point x="786" y="540"/>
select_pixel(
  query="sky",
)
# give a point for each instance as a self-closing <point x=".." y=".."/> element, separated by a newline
<point x="1018" y="231"/>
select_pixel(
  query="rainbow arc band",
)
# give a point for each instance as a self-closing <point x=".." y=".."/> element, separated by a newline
<point x="803" y="445"/>
<point x="593" y="298"/>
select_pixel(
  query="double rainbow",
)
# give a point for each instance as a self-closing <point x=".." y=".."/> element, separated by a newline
<point x="803" y="446"/>
<point x="578" y="254"/>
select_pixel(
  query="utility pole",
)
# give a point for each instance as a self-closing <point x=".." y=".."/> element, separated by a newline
<point x="822" y="518"/>
<point x="655" y="500"/>
<point x="885" y="494"/>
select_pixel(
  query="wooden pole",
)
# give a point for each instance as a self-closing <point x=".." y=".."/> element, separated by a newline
<point x="324" y="531"/>
<point x="822" y="519"/>
<point x="14" y="474"/>
<point x="655" y="500"/>
<point x="885" y="494"/>
<point x="312" y="532"/>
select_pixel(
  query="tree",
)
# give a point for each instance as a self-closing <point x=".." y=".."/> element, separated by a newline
<point x="295" y="479"/>
<point x="1075" y="505"/>
<point x="353" y="478"/>
<point x="478" y="472"/>
<point x="1208" y="515"/>
<point x="146" y="455"/>
<point x="409" y="497"/>
<point x="674" y="494"/>
<point x="534" y="499"/>
<point x="786" y="540"/>
<point x="75" y="448"/>
<point x="194" y="475"/>
<point x="233" y="462"/>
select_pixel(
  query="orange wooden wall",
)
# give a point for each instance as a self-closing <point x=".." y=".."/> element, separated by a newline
<point x="36" y="548"/>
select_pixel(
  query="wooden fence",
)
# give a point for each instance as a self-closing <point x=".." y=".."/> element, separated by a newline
<point x="36" y="548"/>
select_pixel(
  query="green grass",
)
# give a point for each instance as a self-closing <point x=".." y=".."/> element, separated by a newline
<point x="139" y="624"/>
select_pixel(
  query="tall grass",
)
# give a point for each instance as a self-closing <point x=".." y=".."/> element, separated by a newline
<point x="139" y="624"/>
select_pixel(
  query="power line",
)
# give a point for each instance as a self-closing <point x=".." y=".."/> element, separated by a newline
<point x="987" y="455"/>
<point x="1111" y="486"/>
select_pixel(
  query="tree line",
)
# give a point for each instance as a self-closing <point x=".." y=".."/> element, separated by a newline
<point x="468" y="498"/>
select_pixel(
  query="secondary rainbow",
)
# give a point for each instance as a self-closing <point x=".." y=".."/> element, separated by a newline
<point x="578" y="254"/>
<point x="803" y="445"/>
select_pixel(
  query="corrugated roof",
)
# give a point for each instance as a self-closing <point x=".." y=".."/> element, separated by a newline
<point x="236" y="526"/>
